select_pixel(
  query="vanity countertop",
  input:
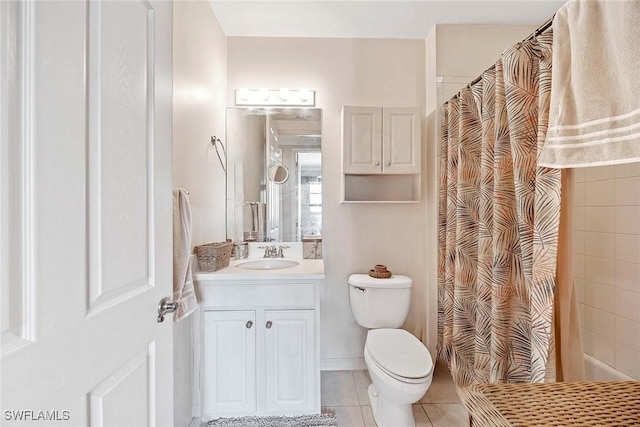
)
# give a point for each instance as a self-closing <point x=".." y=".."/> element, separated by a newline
<point x="309" y="269"/>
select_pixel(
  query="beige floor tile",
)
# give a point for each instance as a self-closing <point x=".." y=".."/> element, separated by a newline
<point x="338" y="388"/>
<point x="367" y="415"/>
<point x="422" y="420"/>
<point x="363" y="381"/>
<point x="442" y="389"/>
<point x="348" y="416"/>
<point x="446" y="414"/>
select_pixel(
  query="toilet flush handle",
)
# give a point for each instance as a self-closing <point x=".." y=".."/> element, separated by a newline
<point x="360" y="289"/>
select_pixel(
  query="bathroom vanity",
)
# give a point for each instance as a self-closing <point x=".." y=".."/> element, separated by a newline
<point x="256" y="338"/>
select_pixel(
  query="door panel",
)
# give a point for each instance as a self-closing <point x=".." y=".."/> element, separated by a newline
<point x="100" y="130"/>
<point x="362" y="140"/>
<point x="401" y="140"/>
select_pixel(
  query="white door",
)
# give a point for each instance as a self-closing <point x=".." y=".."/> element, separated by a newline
<point x="86" y="212"/>
<point x="229" y="363"/>
<point x="361" y="140"/>
<point x="401" y="140"/>
<point x="290" y="361"/>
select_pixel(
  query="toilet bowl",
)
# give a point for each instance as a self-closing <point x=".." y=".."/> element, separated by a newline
<point x="401" y="370"/>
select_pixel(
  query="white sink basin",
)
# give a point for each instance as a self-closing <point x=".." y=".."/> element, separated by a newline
<point x="268" y="264"/>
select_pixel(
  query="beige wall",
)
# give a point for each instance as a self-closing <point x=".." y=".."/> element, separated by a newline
<point x="455" y="55"/>
<point x="607" y="263"/>
<point x="365" y="72"/>
<point x="198" y="112"/>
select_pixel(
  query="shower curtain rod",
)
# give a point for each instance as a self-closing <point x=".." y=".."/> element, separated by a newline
<point x="541" y="29"/>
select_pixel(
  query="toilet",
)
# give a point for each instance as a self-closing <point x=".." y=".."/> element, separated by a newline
<point x="400" y="366"/>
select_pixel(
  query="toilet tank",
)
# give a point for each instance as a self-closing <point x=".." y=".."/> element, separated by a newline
<point x="380" y="303"/>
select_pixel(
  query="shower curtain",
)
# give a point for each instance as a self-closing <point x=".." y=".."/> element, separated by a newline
<point x="499" y="216"/>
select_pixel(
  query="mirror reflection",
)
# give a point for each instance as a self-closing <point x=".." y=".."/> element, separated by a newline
<point x="274" y="174"/>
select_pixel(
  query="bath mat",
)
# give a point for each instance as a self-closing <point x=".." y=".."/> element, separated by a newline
<point x="277" y="421"/>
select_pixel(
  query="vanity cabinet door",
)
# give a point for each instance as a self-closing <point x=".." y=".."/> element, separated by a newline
<point x="229" y="366"/>
<point x="290" y="361"/>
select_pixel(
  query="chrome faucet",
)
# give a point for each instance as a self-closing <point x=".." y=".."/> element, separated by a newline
<point x="273" y="252"/>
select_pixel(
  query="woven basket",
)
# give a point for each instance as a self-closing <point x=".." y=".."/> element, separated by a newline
<point x="214" y="256"/>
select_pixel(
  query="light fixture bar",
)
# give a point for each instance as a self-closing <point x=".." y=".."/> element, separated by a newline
<point x="277" y="98"/>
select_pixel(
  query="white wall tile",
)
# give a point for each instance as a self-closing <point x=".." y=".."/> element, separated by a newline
<point x="599" y="173"/>
<point x="627" y="219"/>
<point x="627" y="169"/>
<point x="578" y="218"/>
<point x="627" y="247"/>
<point x="627" y="304"/>
<point x="599" y="321"/>
<point x="599" y="245"/>
<point x="627" y="360"/>
<point x="628" y="332"/>
<point x="580" y="285"/>
<point x="599" y="270"/>
<point x="599" y="347"/>
<point x="578" y="242"/>
<point x="582" y="308"/>
<point x="578" y="175"/>
<point x="599" y="296"/>
<point x="578" y="194"/>
<point x="599" y="193"/>
<point x="627" y="191"/>
<point x="599" y="219"/>
<point x="627" y="276"/>
<point x="578" y="266"/>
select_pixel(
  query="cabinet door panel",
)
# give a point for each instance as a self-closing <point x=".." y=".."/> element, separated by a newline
<point x="229" y="353"/>
<point x="362" y="140"/>
<point x="290" y="361"/>
<point x="401" y="140"/>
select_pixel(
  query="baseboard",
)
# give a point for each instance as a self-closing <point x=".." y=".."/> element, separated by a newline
<point x="343" y="364"/>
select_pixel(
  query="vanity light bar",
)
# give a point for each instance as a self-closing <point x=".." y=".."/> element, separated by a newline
<point x="277" y="97"/>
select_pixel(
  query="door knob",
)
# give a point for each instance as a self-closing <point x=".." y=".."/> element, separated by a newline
<point x="268" y="325"/>
<point x="377" y="163"/>
<point x="166" y="306"/>
<point x="388" y="163"/>
<point x="249" y="324"/>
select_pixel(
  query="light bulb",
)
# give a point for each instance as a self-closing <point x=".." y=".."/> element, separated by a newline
<point x="264" y="94"/>
<point x="244" y="94"/>
<point x="303" y="94"/>
<point x="284" y="93"/>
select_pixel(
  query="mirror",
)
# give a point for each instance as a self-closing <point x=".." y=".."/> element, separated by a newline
<point x="274" y="174"/>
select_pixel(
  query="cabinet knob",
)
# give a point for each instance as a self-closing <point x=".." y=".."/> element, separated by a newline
<point x="377" y="163"/>
<point x="249" y="324"/>
<point x="388" y="163"/>
<point x="268" y="325"/>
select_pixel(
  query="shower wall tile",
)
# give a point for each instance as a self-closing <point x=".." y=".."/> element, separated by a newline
<point x="600" y="347"/>
<point x="580" y="285"/>
<point x="627" y="304"/>
<point x="578" y="194"/>
<point x="578" y="175"/>
<point x="599" y="193"/>
<point x="599" y="173"/>
<point x="599" y="270"/>
<point x="626" y="219"/>
<point x="578" y="242"/>
<point x="627" y="276"/>
<point x="628" y="332"/>
<point x="578" y="266"/>
<point x="627" y="191"/>
<point x="627" y="360"/>
<point x="578" y="218"/>
<point x="597" y="218"/>
<point x="627" y="170"/>
<point x="599" y="321"/>
<point x="627" y="248"/>
<point x="599" y="296"/>
<point x="599" y="245"/>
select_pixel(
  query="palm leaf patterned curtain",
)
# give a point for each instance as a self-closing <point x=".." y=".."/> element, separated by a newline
<point x="498" y="223"/>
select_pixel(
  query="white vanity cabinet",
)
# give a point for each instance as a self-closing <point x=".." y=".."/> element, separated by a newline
<point x="381" y="140"/>
<point x="257" y="348"/>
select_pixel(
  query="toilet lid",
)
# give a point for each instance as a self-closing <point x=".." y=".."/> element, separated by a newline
<point x="399" y="353"/>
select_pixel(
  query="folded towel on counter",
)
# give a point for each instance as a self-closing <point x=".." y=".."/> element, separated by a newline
<point x="594" y="117"/>
<point x="183" y="290"/>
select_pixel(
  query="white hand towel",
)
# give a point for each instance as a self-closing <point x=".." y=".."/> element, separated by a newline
<point x="183" y="290"/>
<point x="594" y="117"/>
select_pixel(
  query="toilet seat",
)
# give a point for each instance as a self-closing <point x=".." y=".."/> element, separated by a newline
<point x="399" y="354"/>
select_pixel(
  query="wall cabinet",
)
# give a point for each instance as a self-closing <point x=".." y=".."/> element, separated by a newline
<point x="381" y="140"/>
<point x="258" y="349"/>
<point x="381" y="155"/>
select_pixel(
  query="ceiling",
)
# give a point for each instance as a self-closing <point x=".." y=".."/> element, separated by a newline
<point x="371" y="19"/>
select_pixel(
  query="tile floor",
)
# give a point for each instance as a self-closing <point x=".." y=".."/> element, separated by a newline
<point x="345" y="394"/>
